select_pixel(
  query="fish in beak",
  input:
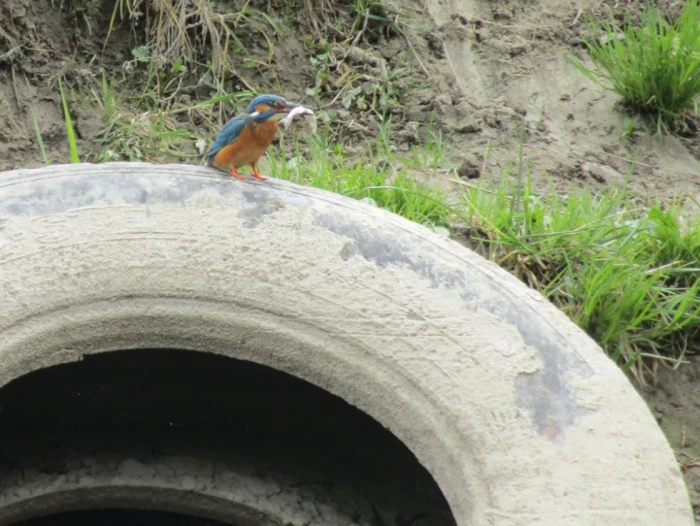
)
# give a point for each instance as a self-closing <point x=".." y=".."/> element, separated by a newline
<point x="296" y="110"/>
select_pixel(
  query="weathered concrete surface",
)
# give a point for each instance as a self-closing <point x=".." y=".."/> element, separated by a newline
<point x="515" y="412"/>
<point x="233" y="493"/>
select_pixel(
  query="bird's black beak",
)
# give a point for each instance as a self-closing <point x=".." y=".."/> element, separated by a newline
<point x="288" y="106"/>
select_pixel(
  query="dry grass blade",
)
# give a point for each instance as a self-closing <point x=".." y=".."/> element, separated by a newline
<point x="319" y="12"/>
<point x="185" y="35"/>
<point x="39" y="138"/>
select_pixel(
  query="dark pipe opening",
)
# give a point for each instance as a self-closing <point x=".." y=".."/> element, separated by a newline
<point x="164" y="402"/>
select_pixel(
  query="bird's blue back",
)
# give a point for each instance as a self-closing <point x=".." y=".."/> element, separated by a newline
<point x="229" y="133"/>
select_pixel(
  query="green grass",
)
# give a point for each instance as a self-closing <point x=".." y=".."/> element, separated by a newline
<point x="39" y="138"/>
<point x="628" y="276"/>
<point x="654" y="67"/>
<point x="70" y="130"/>
<point x="364" y="178"/>
<point x="147" y="128"/>
<point x="185" y="37"/>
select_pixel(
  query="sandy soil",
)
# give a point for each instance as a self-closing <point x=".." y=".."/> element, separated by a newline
<point x="488" y="74"/>
<point x="506" y="64"/>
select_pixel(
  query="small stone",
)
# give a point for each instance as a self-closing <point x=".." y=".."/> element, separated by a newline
<point x="435" y="45"/>
<point x="469" y="169"/>
<point x="520" y="110"/>
<point x="442" y="231"/>
<point x="409" y="134"/>
<point x="133" y="468"/>
<point x="602" y="174"/>
<point x="443" y="99"/>
<point x="469" y="126"/>
<point x="418" y="113"/>
<point x="501" y="14"/>
<point x="391" y="49"/>
<point x="373" y="126"/>
<point x="519" y="48"/>
<point x="187" y="482"/>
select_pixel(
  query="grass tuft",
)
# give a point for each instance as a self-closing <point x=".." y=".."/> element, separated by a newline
<point x="655" y="67"/>
<point x="365" y="178"/>
<point x="629" y="277"/>
<point x="39" y="138"/>
<point x="156" y="132"/>
<point x="186" y="37"/>
<point x="70" y="130"/>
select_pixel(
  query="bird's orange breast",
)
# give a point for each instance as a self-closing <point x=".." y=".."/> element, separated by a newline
<point x="264" y="133"/>
<point x="248" y="147"/>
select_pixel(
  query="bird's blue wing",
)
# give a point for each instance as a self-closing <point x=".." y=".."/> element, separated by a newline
<point x="229" y="133"/>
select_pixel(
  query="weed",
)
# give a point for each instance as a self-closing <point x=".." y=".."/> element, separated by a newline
<point x="359" y="79"/>
<point x="431" y="154"/>
<point x="655" y="67"/>
<point x="149" y="136"/>
<point x="39" y="138"/>
<point x="189" y="35"/>
<point x="329" y="168"/>
<point x="631" y="129"/>
<point x="319" y="12"/>
<point x="326" y="17"/>
<point x="70" y="130"/>
<point x="6" y="56"/>
<point x="628" y="277"/>
<point x="673" y="247"/>
<point x="379" y="13"/>
<point x="84" y="10"/>
<point x="153" y="131"/>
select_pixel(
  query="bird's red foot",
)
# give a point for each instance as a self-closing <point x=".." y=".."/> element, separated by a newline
<point x="254" y="172"/>
<point x="236" y="174"/>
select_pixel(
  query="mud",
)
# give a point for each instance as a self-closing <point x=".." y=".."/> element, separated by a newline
<point x="674" y="399"/>
<point x="488" y="75"/>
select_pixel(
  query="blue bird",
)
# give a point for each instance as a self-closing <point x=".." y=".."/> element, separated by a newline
<point x="245" y="138"/>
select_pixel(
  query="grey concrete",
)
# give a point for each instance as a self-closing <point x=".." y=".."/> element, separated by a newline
<point x="516" y="413"/>
<point x="230" y="493"/>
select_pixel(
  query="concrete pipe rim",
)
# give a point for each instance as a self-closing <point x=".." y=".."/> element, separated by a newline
<point x="510" y="390"/>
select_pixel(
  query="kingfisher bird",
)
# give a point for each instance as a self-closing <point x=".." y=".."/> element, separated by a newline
<point x="245" y="138"/>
